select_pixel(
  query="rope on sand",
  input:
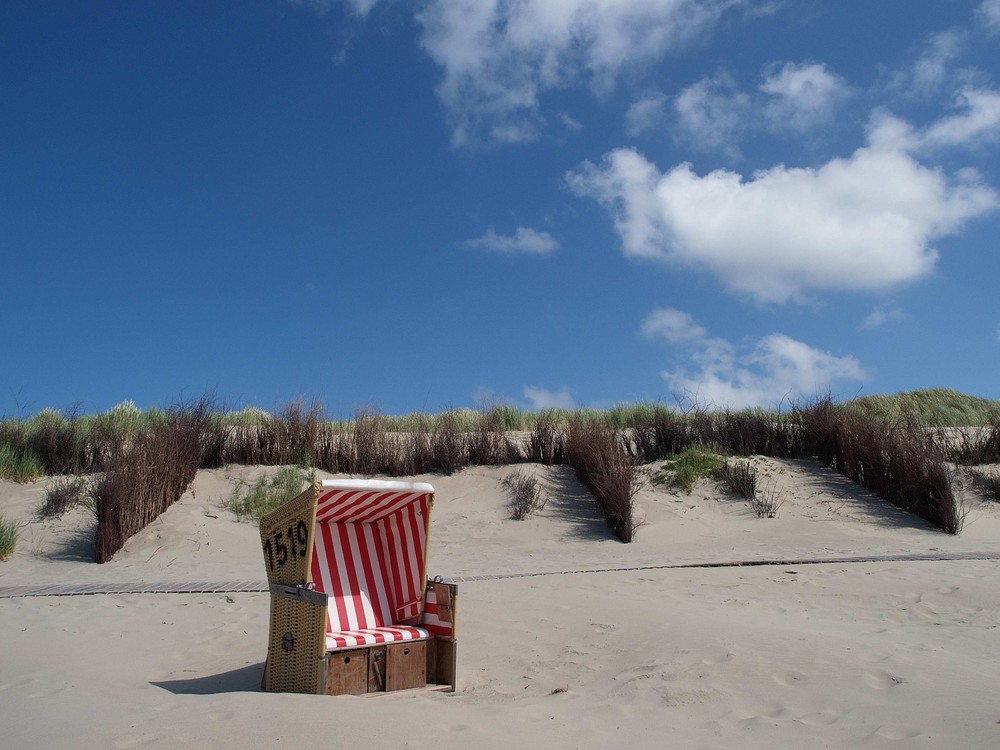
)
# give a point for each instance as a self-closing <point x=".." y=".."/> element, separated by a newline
<point x="254" y="587"/>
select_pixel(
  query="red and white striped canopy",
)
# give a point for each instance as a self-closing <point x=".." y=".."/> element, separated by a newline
<point x="366" y="500"/>
<point x="369" y="556"/>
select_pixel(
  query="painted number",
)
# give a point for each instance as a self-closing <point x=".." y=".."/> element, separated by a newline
<point x="292" y="544"/>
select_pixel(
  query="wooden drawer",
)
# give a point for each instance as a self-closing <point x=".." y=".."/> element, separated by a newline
<point x="405" y="665"/>
<point x="347" y="672"/>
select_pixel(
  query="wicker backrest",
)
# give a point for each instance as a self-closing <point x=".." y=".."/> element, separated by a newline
<point x="287" y="537"/>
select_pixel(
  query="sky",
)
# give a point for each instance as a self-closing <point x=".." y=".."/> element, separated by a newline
<point x="415" y="205"/>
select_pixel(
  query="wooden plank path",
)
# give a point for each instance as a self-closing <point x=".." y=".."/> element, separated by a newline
<point x="256" y="587"/>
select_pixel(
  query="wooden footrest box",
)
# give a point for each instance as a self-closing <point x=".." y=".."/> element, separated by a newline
<point x="377" y="669"/>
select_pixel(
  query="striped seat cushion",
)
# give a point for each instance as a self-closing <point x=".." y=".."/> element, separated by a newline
<point x="374" y="636"/>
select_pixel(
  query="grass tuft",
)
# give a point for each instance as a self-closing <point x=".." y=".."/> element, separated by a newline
<point x="20" y="465"/>
<point x="8" y="537"/>
<point x="64" y="494"/>
<point x="685" y="468"/>
<point x="252" y="501"/>
<point x="741" y="478"/>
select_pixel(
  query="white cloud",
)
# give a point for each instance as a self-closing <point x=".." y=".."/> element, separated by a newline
<point x="934" y="68"/>
<point x="646" y="113"/>
<point x="976" y="122"/>
<point x="524" y="240"/>
<point x="861" y="223"/>
<point x="541" y="398"/>
<point x="882" y="315"/>
<point x="989" y="12"/>
<point x="672" y="325"/>
<point x="801" y="96"/>
<point x="712" y="113"/>
<point x="764" y="372"/>
<point x="570" y="123"/>
<point x="500" y="57"/>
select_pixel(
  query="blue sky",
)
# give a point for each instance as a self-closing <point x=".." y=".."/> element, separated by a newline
<point x="419" y="205"/>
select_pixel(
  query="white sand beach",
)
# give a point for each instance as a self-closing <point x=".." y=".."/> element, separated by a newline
<point x="568" y="638"/>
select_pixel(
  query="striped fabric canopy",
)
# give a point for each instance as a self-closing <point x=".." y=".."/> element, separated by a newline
<point x="369" y="557"/>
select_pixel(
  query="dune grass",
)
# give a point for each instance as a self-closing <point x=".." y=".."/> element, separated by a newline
<point x="146" y="458"/>
<point x="251" y="501"/>
<point x="20" y="464"/>
<point x="685" y="468"/>
<point x="8" y="537"/>
<point x="933" y="407"/>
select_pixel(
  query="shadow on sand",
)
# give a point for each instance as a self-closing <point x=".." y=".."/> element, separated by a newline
<point x="570" y="501"/>
<point x="242" y="680"/>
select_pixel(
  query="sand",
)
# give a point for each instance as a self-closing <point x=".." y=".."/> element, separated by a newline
<point x="899" y="653"/>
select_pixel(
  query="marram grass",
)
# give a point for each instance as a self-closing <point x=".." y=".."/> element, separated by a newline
<point x="8" y="537"/>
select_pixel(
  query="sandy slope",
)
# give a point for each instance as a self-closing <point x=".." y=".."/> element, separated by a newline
<point x="843" y="655"/>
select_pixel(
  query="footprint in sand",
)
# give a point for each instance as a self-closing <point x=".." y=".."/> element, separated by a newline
<point x="718" y="658"/>
<point x="821" y="719"/>
<point x="790" y="678"/>
<point x="892" y="732"/>
<point x="882" y="680"/>
<point x="130" y="741"/>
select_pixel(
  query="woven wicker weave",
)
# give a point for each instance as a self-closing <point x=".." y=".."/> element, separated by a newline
<point x="286" y="536"/>
<point x="296" y="646"/>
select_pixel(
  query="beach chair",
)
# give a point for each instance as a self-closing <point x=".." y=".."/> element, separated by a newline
<point x="352" y="611"/>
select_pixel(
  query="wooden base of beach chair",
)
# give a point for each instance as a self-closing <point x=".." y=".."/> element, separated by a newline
<point x="442" y="659"/>
<point x="377" y="669"/>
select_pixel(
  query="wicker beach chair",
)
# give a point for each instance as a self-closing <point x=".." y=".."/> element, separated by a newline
<point x="352" y="611"/>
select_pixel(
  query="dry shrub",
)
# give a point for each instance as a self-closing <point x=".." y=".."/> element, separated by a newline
<point x="547" y="443"/>
<point x="490" y="444"/>
<point x="659" y="434"/>
<point x="288" y="437"/>
<point x="765" y="502"/>
<point x="448" y="444"/>
<point x="898" y="462"/>
<point x="971" y="446"/>
<point x="146" y="477"/>
<point x="64" y="494"/>
<point x="375" y="450"/>
<point x="599" y="458"/>
<point x="526" y="495"/>
<point x="741" y="478"/>
<point x="419" y="448"/>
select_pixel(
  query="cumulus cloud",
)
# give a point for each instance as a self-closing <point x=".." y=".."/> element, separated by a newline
<point x="540" y="398"/>
<point x="801" y="96"/>
<point x="976" y="121"/>
<point x="712" y="113"/>
<point x="671" y="325"/>
<point x="934" y="66"/>
<point x="864" y="222"/>
<point x="763" y="372"/>
<point x="646" y="113"/>
<point x="523" y="241"/>
<point x="498" y="58"/>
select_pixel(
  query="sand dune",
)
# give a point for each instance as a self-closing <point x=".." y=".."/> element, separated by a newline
<point x="891" y="653"/>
